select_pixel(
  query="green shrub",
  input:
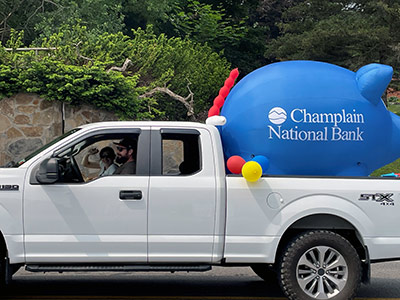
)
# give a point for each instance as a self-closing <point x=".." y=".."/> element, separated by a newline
<point x="9" y="83"/>
<point x="76" y="72"/>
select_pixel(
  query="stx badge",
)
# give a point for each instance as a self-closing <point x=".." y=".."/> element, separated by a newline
<point x="383" y="199"/>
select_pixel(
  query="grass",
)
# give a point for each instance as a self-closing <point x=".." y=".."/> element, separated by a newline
<point x="394" y="108"/>
<point x="393" y="167"/>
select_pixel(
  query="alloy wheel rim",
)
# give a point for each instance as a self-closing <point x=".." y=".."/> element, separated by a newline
<point x="322" y="272"/>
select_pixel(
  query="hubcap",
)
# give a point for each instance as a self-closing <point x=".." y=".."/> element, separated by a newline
<point x="322" y="272"/>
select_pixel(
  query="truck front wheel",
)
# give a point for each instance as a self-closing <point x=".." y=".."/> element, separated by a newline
<point x="320" y="265"/>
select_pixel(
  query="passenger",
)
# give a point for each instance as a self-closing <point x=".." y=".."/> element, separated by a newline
<point x="106" y="163"/>
<point x="126" y="155"/>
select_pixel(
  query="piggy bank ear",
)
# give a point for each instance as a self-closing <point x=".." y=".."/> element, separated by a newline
<point x="372" y="81"/>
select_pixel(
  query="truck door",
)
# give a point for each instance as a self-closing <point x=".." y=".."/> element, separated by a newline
<point x="79" y="219"/>
<point x="182" y="196"/>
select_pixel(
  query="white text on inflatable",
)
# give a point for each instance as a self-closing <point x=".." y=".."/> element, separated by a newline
<point x="333" y="133"/>
<point x="299" y="115"/>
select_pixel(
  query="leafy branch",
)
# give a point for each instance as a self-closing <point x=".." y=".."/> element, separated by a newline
<point x="186" y="101"/>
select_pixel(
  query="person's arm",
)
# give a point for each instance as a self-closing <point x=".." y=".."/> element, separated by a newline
<point x="90" y="164"/>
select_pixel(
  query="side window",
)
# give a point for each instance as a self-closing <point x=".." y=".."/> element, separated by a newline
<point x="180" y="154"/>
<point x="98" y="156"/>
<point x="98" y="159"/>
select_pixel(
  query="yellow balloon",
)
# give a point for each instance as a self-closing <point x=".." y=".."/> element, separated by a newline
<point x="252" y="171"/>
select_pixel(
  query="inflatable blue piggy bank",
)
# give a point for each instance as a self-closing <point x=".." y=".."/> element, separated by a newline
<point x="312" y="118"/>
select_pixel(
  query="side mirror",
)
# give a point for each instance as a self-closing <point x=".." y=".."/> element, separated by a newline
<point x="48" y="171"/>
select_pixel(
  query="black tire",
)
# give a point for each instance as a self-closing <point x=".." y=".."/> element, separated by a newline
<point x="302" y="276"/>
<point x="2" y="272"/>
<point x="265" y="272"/>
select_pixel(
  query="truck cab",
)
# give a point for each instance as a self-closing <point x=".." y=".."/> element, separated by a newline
<point x="164" y="212"/>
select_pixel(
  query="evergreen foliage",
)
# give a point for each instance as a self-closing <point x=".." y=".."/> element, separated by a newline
<point x="346" y="33"/>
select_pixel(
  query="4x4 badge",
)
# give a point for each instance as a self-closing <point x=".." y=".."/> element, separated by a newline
<point x="383" y="199"/>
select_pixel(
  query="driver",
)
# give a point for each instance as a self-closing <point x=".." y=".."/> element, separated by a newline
<point x="126" y="156"/>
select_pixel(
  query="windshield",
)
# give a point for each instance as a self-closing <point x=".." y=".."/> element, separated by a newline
<point x="12" y="164"/>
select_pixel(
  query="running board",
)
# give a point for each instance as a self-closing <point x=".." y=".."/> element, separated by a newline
<point x="117" y="268"/>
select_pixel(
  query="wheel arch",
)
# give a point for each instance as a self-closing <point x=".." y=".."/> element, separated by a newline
<point x="3" y="245"/>
<point x="332" y="223"/>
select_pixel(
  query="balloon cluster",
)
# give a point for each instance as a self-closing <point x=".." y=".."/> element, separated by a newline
<point x="223" y="93"/>
<point x="251" y="170"/>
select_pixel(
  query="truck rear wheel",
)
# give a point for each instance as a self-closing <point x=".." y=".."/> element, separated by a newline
<point x="320" y="265"/>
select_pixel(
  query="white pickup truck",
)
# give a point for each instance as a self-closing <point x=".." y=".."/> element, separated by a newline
<point x="181" y="212"/>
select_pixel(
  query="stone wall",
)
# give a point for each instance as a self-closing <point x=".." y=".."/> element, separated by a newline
<point x="28" y="122"/>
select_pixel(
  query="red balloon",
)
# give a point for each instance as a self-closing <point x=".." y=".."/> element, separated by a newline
<point x="219" y="101"/>
<point x="224" y="91"/>
<point x="213" y="111"/>
<point x="235" y="164"/>
<point x="229" y="82"/>
<point x="234" y="74"/>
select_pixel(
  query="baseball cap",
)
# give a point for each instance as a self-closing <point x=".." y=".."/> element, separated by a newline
<point x="127" y="143"/>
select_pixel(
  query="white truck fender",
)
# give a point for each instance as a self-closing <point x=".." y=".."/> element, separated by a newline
<point x="12" y="233"/>
<point x="319" y="205"/>
<point x="322" y="204"/>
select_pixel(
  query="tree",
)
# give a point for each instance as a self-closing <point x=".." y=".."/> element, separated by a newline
<point x="98" y="16"/>
<point x="141" y="13"/>
<point x="233" y="27"/>
<point x="269" y="13"/>
<point x="229" y="27"/>
<point x="45" y="17"/>
<point x="177" y="64"/>
<point x="347" y="33"/>
<point x="22" y="15"/>
<point x="202" y="23"/>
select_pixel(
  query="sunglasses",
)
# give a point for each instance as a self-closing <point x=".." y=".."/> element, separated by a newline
<point x="120" y="149"/>
<point x="104" y="156"/>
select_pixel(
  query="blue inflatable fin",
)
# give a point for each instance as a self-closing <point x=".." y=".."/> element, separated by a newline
<point x="372" y="81"/>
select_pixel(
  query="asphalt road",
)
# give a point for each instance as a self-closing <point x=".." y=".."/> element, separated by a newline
<point x="218" y="284"/>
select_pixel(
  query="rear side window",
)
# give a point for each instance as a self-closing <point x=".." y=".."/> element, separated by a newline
<point x="180" y="154"/>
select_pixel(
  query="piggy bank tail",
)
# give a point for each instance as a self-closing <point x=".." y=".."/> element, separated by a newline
<point x="223" y="93"/>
